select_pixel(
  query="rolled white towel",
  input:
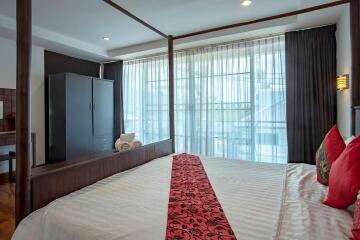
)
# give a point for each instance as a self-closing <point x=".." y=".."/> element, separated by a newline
<point x="127" y="137"/>
<point x="117" y="142"/>
<point x="136" y="144"/>
<point x="122" y="146"/>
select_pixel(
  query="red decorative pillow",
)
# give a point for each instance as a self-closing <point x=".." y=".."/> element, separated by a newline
<point x="344" y="179"/>
<point x="330" y="149"/>
<point x="356" y="225"/>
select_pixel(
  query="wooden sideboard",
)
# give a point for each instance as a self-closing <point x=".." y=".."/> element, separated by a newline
<point x="8" y="97"/>
<point x="9" y="138"/>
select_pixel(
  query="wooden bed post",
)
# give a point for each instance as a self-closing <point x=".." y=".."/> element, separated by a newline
<point x="171" y="90"/>
<point x="23" y="69"/>
<point x="355" y="56"/>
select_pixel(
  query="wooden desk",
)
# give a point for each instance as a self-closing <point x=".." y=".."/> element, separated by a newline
<point x="9" y="158"/>
<point x="7" y="138"/>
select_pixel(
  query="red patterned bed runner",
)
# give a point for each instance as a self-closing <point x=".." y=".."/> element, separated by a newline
<point x="194" y="211"/>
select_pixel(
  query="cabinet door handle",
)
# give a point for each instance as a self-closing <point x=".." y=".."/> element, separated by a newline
<point x="90" y="107"/>
<point x="94" y="106"/>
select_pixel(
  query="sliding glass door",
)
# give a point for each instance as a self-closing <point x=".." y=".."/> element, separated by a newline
<point x="146" y="98"/>
<point x="270" y="135"/>
<point x="213" y="101"/>
<point x="229" y="100"/>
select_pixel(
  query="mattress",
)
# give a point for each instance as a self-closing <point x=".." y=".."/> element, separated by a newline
<point x="260" y="200"/>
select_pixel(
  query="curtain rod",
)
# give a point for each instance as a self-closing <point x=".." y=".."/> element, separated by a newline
<point x="163" y="54"/>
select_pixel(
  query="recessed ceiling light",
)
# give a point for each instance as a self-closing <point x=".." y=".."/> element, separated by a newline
<point x="106" y="38"/>
<point x="246" y="2"/>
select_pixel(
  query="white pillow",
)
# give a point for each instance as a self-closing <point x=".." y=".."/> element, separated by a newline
<point x="127" y="137"/>
<point x="348" y="140"/>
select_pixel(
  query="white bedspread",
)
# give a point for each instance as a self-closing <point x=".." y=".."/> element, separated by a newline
<point x="261" y="201"/>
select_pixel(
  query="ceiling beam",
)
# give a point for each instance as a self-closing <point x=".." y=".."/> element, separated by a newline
<point x="126" y="12"/>
<point x="283" y="15"/>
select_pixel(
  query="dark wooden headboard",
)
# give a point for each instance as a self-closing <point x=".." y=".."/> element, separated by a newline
<point x="53" y="181"/>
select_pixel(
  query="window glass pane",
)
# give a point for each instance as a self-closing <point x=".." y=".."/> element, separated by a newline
<point x="146" y="98"/>
<point x="229" y="100"/>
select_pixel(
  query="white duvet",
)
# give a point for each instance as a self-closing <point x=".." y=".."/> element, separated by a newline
<point x="261" y="201"/>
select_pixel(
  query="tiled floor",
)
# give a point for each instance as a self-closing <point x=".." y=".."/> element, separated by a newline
<point x="7" y="210"/>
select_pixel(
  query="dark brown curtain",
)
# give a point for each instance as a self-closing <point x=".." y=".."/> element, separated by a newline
<point x="310" y="91"/>
<point x="114" y="71"/>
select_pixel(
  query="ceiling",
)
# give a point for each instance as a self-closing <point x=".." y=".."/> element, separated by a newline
<point x="77" y="27"/>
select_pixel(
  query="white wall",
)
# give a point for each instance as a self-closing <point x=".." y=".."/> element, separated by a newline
<point x="8" y="80"/>
<point x="344" y="67"/>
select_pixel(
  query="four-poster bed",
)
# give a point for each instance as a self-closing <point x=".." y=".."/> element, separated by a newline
<point x="34" y="191"/>
<point x="355" y="58"/>
<point x="23" y="102"/>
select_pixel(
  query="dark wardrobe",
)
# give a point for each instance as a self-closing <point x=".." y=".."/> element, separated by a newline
<point x="81" y="116"/>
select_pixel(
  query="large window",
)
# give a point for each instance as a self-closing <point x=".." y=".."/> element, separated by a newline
<point x="146" y="98"/>
<point x="229" y="100"/>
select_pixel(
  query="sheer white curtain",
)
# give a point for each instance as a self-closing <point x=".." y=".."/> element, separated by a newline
<point x="146" y="98"/>
<point x="229" y="100"/>
<point x="270" y="100"/>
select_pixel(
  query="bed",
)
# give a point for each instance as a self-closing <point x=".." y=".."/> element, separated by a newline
<point x="260" y="200"/>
